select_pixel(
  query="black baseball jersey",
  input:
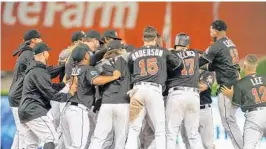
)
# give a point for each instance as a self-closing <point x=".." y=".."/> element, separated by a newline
<point x="223" y="56"/>
<point x="86" y="91"/>
<point x="250" y="92"/>
<point x="115" y="92"/>
<point x="22" y="64"/>
<point x="37" y="92"/>
<point x="189" y="75"/>
<point x="150" y="63"/>
<point x="207" y="78"/>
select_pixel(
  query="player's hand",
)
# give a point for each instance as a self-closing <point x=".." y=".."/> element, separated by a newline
<point x="227" y="92"/>
<point x="116" y="74"/>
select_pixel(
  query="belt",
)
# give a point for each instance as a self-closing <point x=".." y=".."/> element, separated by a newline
<point x="148" y="83"/>
<point x="78" y="105"/>
<point x="255" y="109"/>
<point x="192" y="89"/>
<point x="205" y="106"/>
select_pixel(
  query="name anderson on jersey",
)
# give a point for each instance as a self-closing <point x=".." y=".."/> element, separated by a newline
<point x="146" y="52"/>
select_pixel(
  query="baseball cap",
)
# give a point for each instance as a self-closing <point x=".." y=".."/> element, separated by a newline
<point x="111" y="33"/>
<point x="64" y="54"/>
<point x="30" y="34"/>
<point x="40" y="47"/>
<point x="94" y="34"/>
<point x="77" y="36"/>
<point x="219" y="25"/>
<point x="115" y="44"/>
<point x="79" y="53"/>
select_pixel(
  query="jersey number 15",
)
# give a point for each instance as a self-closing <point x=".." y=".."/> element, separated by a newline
<point x="148" y="66"/>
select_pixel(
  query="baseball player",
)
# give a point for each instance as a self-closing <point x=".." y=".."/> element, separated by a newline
<point x="77" y="37"/>
<point x="222" y="57"/>
<point x="148" y="66"/>
<point x="114" y="111"/>
<point x="147" y="132"/>
<point x="75" y="119"/>
<point x="37" y="92"/>
<point x="206" y="121"/>
<point x="108" y="36"/>
<point x="25" y="55"/>
<point x="183" y="103"/>
<point x="250" y="94"/>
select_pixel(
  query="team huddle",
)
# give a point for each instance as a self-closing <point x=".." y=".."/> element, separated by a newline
<point x="115" y="96"/>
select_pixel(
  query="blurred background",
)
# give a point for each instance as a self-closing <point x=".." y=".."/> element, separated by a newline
<point x="56" y="21"/>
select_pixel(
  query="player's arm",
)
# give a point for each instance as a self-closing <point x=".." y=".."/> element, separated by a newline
<point x="208" y="55"/>
<point x="44" y="85"/>
<point x="237" y="95"/>
<point x="55" y="70"/>
<point x="173" y="62"/>
<point x="94" y="78"/>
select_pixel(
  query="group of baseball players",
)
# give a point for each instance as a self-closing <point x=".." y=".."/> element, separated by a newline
<point x="113" y="95"/>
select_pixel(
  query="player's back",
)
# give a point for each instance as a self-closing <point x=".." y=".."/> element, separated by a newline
<point x="224" y="56"/>
<point x="253" y="90"/>
<point x="189" y="76"/>
<point x="148" y="64"/>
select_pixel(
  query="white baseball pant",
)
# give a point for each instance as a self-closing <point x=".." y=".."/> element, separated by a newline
<point x="228" y="118"/>
<point x="40" y="129"/>
<point x="205" y="129"/>
<point x="75" y="126"/>
<point x="111" y="117"/>
<point x="183" y="106"/>
<point x="18" y="142"/>
<point x="255" y="126"/>
<point x="146" y="98"/>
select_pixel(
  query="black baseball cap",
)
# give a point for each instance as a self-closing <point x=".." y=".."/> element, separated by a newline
<point x="40" y="47"/>
<point x="30" y="34"/>
<point x="79" y="53"/>
<point x="115" y="44"/>
<point x="111" y="33"/>
<point x="77" y="36"/>
<point x="94" y="34"/>
<point x="219" y="25"/>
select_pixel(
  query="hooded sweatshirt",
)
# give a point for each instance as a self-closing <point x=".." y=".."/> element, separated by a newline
<point x="25" y="56"/>
<point x="37" y="92"/>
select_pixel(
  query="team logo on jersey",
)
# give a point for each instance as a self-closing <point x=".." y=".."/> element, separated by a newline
<point x="94" y="73"/>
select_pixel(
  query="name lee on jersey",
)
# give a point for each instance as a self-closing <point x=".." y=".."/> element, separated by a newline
<point x="256" y="81"/>
<point x="147" y="52"/>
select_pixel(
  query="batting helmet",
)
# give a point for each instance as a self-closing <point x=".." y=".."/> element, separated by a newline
<point x="182" y="39"/>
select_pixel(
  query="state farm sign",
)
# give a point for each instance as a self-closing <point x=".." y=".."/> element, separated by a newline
<point x="72" y="14"/>
<point x="56" y="21"/>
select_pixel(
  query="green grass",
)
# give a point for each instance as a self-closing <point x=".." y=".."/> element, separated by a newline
<point x="4" y="93"/>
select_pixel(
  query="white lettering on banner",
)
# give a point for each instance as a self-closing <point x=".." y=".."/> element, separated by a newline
<point x="25" y="8"/>
<point x="51" y="9"/>
<point x="8" y="17"/>
<point x="125" y="13"/>
<point x="77" y="12"/>
<point x="91" y="12"/>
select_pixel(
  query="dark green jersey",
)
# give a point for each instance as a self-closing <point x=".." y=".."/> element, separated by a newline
<point x="250" y="92"/>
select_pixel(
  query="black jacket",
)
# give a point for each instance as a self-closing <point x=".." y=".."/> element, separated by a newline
<point x="25" y="56"/>
<point x="37" y="92"/>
